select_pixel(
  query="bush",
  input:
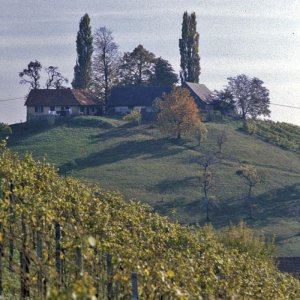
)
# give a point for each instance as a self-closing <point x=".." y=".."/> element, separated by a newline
<point x="134" y="116"/>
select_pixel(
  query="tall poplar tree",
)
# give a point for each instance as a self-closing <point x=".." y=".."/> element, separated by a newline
<point x="84" y="46"/>
<point x="189" y="49"/>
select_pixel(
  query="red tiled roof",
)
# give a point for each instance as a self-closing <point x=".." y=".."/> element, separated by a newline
<point x="61" y="97"/>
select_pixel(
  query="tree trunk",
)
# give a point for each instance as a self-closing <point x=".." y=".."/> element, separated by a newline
<point x="109" y="277"/>
<point x="1" y="262"/>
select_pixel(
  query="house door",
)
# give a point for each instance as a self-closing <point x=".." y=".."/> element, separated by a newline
<point x="87" y="110"/>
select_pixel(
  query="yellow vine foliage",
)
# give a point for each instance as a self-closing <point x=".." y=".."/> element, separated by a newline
<point x="172" y="261"/>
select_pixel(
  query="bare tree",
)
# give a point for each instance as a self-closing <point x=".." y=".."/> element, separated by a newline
<point x="105" y="62"/>
<point x="207" y="179"/>
<point x="221" y="139"/>
<point x="55" y="79"/>
<point x="251" y="179"/>
<point x="31" y="75"/>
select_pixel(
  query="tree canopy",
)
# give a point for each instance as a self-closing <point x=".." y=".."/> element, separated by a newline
<point x="55" y="79"/>
<point x="31" y="75"/>
<point x="136" y="67"/>
<point x="164" y="74"/>
<point x="84" y="47"/>
<point x="189" y="49"/>
<point x="105" y="62"/>
<point x="250" y="96"/>
<point x="178" y="113"/>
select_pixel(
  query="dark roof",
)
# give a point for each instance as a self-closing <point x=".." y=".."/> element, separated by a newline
<point x="136" y="95"/>
<point x="61" y="97"/>
<point x="199" y="90"/>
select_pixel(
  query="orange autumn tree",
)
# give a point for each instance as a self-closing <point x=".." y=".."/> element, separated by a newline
<point x="178" y="113"/>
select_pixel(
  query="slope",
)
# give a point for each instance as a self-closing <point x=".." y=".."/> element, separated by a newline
<point x="163" y="172"/>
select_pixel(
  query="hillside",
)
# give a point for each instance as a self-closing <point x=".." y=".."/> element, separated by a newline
<point x="79" y="242"/>
<point x="164" y="173"/>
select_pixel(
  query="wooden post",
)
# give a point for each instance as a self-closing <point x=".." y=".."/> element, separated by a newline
<point x="11" y="229"/>
<point x="109" y="277"/>
<point x="24" y="262"/>
<point x="58" y="251"/>
<point x="134" y="281"/>
<point x="1" y="263"/>
<point x="78" y="262"/>
<point x="39" y="252"/>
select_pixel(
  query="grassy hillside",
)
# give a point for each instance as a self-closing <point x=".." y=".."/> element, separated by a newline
<point x="164" y="173"/>
<point x="78" y="241"/>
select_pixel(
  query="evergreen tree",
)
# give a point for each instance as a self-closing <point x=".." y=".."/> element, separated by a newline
<point x="164" y="74"/>
<point x="189" y="49"/>
<point x="84" y="46"/>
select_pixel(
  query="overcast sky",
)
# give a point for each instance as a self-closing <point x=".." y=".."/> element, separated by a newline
<point x="255" y="37"/>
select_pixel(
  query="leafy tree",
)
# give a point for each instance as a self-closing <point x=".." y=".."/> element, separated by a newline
<point x="5" y="131"/>
<point x="105" y="62"/>
<point x="189" y="49"/>
<point x="136" y="67"/>
<point x="178" y="113"/>
<point x="251" y="178"/>
<point x="84" y="46"/>
<point x="223" y="101"/>
<point x="250" y="96"/>
<point x="31" y="75"/>
<point x="55" y="79"/>
<point x="164" y="74"/>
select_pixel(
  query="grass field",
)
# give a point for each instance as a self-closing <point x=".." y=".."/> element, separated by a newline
<point x="142" y="164"/>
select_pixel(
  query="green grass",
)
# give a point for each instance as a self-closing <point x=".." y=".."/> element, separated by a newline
<point x="143" y="164"/>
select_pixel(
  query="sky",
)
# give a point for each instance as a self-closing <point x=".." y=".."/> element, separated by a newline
<point x="254" y="37"/>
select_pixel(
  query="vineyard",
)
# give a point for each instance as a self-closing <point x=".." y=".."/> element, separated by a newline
<point x="284" y="135"/>
<point x="62" y="239"/>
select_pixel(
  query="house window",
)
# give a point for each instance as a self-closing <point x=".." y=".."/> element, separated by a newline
<point x="81" y="109"/>
<point x="52" y="108"/>
<point x="93" y="109"/>
<point x="39" y="109"/>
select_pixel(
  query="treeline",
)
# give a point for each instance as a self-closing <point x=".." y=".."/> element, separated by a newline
<point x="62" y="239"/>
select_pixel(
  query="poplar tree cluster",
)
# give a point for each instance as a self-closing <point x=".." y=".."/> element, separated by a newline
<point x="189" y="49"/>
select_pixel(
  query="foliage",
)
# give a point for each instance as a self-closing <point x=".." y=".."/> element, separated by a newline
<point x="163" y="74"/>
<point x="31" y="75"/>
<point x="179" y="114"/>
<point x="105" y="62"/>
<point x="145" y="165"/>
<point x="55" y="79"/>
<point x="134" y="115"/>
<point x="223" y="102"/>
<point x="242" y="238"/>
<point x="284" y="135"/>
<point x="5" y="131"/>
<point x="189" y="49"/>
<point x="251" y="98"/>
<point x="136" y="67"/>
<point x="173" y="261"/>
<point x="84" y="47"/>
